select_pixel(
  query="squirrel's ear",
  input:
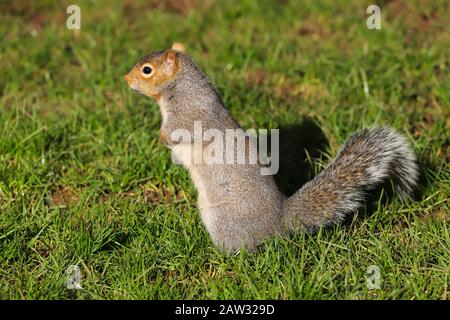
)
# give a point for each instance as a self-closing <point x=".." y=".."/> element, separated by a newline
<point x="178" y="47"/>
<point x="171" y="56"/>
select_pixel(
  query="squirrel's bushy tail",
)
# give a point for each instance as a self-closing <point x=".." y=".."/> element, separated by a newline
<point x="366" y="161"/>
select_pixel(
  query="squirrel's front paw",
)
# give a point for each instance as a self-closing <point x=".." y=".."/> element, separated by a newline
<point x="163" y="138"/>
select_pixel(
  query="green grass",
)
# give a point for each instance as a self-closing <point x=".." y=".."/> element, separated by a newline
<point x="84" y="180"/>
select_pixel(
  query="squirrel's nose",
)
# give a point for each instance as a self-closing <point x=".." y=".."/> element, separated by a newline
<point x="127" y="78"/>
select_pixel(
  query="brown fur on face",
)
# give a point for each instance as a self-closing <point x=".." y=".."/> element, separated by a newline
<point x="164" y="65"/>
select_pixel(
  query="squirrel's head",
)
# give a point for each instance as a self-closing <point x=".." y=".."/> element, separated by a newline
<point x="153" y="72"/>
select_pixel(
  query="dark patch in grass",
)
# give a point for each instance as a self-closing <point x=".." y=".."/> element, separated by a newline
<point x="256" y="77"/>
<point x="63" y="197"/>
<point x="156" y="195"/>
<point x="151" y="193"/>
<point x="419" y="18"/>
<point x="37" y="14"/>
<point x="313" y="27"/>
<point x="179" y="7"/>
<point x="292" y="89"/>
<point x="118" y="238"/>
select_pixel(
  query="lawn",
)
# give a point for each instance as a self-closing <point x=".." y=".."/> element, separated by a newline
<point x="84" y="180"/>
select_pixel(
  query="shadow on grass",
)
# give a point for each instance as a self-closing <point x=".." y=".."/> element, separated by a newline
<point x="296" y="143"/>
<point x="426" y="169"/>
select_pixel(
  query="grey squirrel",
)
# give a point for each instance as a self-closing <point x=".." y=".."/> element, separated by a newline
<point x="240" y="207"/>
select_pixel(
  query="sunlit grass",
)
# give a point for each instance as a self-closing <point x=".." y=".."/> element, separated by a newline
<point x="84" y="180"/>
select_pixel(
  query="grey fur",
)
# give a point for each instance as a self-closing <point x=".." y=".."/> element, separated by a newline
<point x="239" y="206"/>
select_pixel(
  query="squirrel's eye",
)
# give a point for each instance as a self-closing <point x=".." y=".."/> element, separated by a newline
<point x="146" y="70"/>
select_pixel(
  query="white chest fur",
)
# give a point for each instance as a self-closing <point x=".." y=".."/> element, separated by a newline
<point x="182" y="154"/>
